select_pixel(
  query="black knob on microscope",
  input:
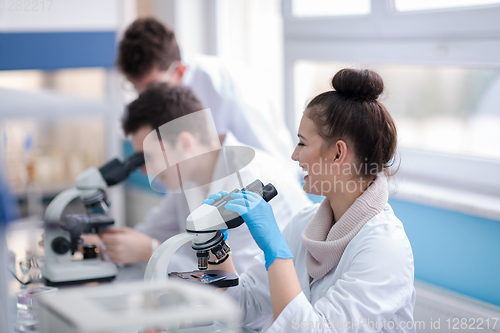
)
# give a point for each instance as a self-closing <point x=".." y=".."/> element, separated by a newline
<point x="90" y="251"/>
<point x="60" y="245"/>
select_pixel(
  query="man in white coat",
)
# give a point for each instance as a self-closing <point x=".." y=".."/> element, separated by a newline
<point x="165" y="103"/>
<point x="149" y="54"/>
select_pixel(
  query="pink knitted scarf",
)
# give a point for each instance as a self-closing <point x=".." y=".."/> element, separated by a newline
<point x="325" y="240"/>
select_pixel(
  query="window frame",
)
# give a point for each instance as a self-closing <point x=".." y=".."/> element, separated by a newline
<point x="465" y="36"/>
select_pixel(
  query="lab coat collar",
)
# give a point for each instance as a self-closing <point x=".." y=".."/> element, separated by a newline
<point x="190" y="63"/>
<point x="326" y="241"/>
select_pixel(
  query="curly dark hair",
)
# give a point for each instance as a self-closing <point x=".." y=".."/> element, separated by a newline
<point x="146" y="43"/>
<point x="162" y="103"/>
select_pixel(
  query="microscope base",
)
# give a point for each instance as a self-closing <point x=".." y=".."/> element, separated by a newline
<point x="78" y="272"/>
<point x="49" y="283"/>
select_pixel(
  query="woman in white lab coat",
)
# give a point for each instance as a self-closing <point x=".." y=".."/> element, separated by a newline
<point x="344" y="265"/>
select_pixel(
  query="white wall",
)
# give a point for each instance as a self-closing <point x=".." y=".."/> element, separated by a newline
<point x="50" y="15"/>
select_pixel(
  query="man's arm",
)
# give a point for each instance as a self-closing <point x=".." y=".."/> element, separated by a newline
<point x="161" y="223"/>
<point x="126" y="245"/>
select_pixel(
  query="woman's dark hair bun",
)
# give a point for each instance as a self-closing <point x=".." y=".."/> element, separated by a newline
<point x="360" y="84"/>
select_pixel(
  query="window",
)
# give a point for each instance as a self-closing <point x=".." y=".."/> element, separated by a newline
<point x="441" y="108"/>
<point x="412" y="5"/>
<point x="304" y="8"/>
<point x="442" y="75"/>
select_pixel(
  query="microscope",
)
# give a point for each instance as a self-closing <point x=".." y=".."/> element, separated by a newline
<point x="203" y="227"/>
<point x="62" y="232"/>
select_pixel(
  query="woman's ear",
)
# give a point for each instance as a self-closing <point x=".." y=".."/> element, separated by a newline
<point x="341" y="153"/>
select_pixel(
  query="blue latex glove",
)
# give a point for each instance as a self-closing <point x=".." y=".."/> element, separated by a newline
<point x="259" y="217"/>
<point x="213" y="198"/>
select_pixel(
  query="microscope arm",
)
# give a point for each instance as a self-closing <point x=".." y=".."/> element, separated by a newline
<point x="158" y="264"/>
<point x="57" y="206"/>
<point x="87" y="183"/>
<point x="91" y="181"/>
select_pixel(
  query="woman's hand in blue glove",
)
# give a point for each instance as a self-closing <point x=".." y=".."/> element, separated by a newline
<point x="259" y="217"/>
<point x="213" y="198"/>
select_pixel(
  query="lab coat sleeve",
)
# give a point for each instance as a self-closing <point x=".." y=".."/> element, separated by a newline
<point x="161" y="222"/>
<point x="253" y="294"/>
<point x="371" y="292"/>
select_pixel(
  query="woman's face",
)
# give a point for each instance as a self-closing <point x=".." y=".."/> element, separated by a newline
<point x="317" y="162"/>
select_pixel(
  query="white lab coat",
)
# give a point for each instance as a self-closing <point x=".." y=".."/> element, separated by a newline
<point x="238" y="103"/>
<point x="372" y="283"/>
<point x="169" y="218"/>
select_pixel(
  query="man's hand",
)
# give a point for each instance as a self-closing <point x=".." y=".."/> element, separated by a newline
<point x="126" y="245"/>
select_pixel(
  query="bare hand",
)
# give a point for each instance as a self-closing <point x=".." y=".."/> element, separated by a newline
<point x="126" y="245"/>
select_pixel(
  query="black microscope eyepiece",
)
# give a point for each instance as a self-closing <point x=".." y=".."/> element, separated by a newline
<point x="116" y="171"/>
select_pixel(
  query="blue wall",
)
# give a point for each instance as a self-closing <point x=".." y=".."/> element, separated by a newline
<point x="456" y="251"/>
<point x="56" y="50"/>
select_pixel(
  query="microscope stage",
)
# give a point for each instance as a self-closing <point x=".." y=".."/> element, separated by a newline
<point x="216" y="278"/>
